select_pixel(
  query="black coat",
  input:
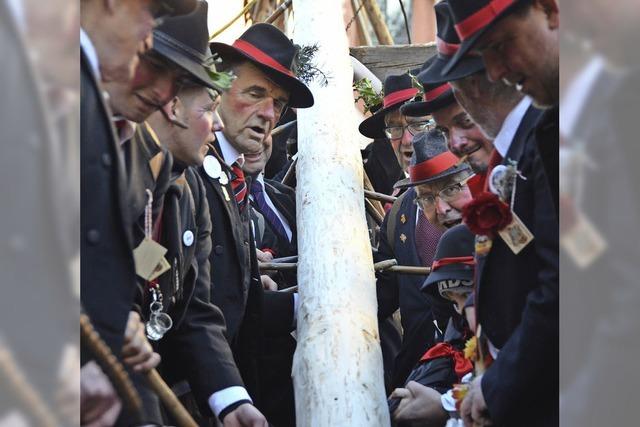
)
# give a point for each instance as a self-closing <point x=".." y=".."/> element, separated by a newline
<point x="107" y="273"/>
<point x="517" y="300"/>
<point x="195" y="348"/>
<point x="402" y="291"/>
<point x="235" y="280"/>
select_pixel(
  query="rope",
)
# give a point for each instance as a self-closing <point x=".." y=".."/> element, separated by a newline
<point x="228" y="24"/>
<point x="355" y="16"/>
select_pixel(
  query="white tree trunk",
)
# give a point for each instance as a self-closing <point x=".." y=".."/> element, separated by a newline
<point x="337" y="371"/>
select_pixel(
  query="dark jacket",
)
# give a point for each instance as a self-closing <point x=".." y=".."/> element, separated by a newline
<point x="517" y="301"/>
<point x="107" y="273"/>
<point x="402" y="291"/>
<point x="235" y="280"/>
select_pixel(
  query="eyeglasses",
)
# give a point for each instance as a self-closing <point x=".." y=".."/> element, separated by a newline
<point x="447" y="194"/>
<point x="396" y="132"/>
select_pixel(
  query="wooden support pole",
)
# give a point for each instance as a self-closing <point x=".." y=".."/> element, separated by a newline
<point x="377" y="21"/>
<point x="337" y="367"/>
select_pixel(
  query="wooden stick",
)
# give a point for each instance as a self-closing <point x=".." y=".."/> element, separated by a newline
<point x="379" y="27"/>
<point x="365" y="39"/>
<point x="279" y="11"/>
<point x="169" y="399"/>
<point x="408" y="269"/>
<point x="281" y="266"/>
<point x="291" y="173"/>
<point x="111" y="367"/>
<point x="238" y="16"/>
<point x="383" y="265"/>
<point x="379" y="196"/>
<point x="373" y="212"/>
<point x="283" y="127"/>
<point x="368" y="186"/>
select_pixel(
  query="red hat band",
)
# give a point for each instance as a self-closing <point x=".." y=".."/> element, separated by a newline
<point x="434" y="93"/>
<point x="446" y="49"/>
<point x="433" y="166"/>
<point x="481" y="18"/>
<point x="399" y="96"/>
<point x="261" y="56"/>
<point x="465" y="260"/>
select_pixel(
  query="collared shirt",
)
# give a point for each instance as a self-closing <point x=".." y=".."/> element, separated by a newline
<point x="510" y="126"/>
<point x="90" y="50"/>
<point x="228" y="151"/>
<point x="283" y="221"/>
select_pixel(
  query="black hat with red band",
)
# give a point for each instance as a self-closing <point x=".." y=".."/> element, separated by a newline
<point x="272" y="51"/>
<point x="435" y="97"/>
<point x="447" y="44"/>
<point x="431" y="160"/>
<point x="472" y="19"/>
<point x="453" y="263"/>
<point x="397" y="91"/>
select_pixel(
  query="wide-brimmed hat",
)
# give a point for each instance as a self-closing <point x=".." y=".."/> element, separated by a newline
<point x="270" y="50"/>
<point x="177" y="7"/>
<point x="398" y="89"/>
<point x="472" y="19"/>
<point x="431" y="160"/>
<point x="436" y="97"/>
<point x="453" y="261"/>
<point x="447" y="44"/>
<point x="184" y="40"/>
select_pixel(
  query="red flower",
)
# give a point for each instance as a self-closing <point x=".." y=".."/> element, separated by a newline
<point x="486" y="214"/>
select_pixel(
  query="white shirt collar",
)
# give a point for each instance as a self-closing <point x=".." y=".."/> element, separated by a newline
<point x="510" y="126"/>
<point x="577" y="94"/>
<point x="89" y="49"/>
<point x="229" y="153"/>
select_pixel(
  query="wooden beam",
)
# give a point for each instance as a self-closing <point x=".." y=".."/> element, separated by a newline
<point x="377" y="21"/>
<point x="398" y="59"/>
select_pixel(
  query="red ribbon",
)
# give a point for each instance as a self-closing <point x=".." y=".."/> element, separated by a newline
<point x="433" y="166"/>
<point x="261" y="57"/>
<point x="466" y="260"/>
<point x="448" y="49"/>
<point x="481" y="18"/>
<point x="434" y="93"/>
<point x="462" y="366"/>
<point x="399" y="96"/>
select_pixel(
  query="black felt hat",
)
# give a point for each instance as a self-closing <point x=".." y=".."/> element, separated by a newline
<point x="431" y="160"/>
<point x="177" y="7"/>
<point x="271" y="50"/>
<point x="452" y="262"/>
<point x="184" y="40"/>
<point x="447" y="44"/>
<point x="472" y="19"/>
<point x="398" y="89"/>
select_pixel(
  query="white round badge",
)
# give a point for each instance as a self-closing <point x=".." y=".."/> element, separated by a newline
<point x="499" y="181"/>
<point x="212" y="167"/>
<point x="187" y="238"/>
<point x="224" y="179"/>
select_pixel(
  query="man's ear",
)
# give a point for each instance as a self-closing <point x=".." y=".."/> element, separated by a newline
<point x="171" y="109"/>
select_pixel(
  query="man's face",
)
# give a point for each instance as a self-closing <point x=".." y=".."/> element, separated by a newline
<point x="129" y="33"/>
<point x="484" y="101"/>
<point x="464" y="137"/>
<point x="251" y="108"/>
<point x="402" y="147"/>
<point x="199" y="113"/>
<point x="448" y="196"/>
<point x="155" y="83"/>
<point x="523" y="51"/>
<point x="255" y="163"/>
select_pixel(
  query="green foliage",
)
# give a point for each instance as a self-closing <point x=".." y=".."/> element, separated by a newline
<point x="368" y="94"/>
<point x="304" y="66"/>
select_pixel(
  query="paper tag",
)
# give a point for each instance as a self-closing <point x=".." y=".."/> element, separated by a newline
<point x="162" y="266"/>
<point x="147" y="256"/>
<point x="516" y="235"/>
<point x="583" y="242"/>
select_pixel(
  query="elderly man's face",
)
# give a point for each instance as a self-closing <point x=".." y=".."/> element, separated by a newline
<point x="255" y="163"/>
<point x="464" y="136"/>
<point x="402" y="147"/>
<point x="442" y="201"/>
<point x="523" y="51"/>
<point x="155" y="83"/>
<point x="130" y="23"/>
<point x="251" y="108"/>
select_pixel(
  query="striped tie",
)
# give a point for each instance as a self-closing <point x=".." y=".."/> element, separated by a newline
<point x="258" y="195"/>
<point x="239" y="186"/>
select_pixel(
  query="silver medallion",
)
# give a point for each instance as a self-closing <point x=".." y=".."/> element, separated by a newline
<point x="212" y="166"/>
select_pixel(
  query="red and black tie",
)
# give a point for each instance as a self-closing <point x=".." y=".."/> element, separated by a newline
<point x="239" y="185"/>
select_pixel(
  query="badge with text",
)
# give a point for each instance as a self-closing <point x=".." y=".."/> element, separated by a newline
<point x="148" y="258"/>
<point x="516" y="235"/>
<point x="583" y="242"/>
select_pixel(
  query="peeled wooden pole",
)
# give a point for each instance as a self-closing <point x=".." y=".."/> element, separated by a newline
<point x="377" y="21"/>
<point x="337" y="368"/>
